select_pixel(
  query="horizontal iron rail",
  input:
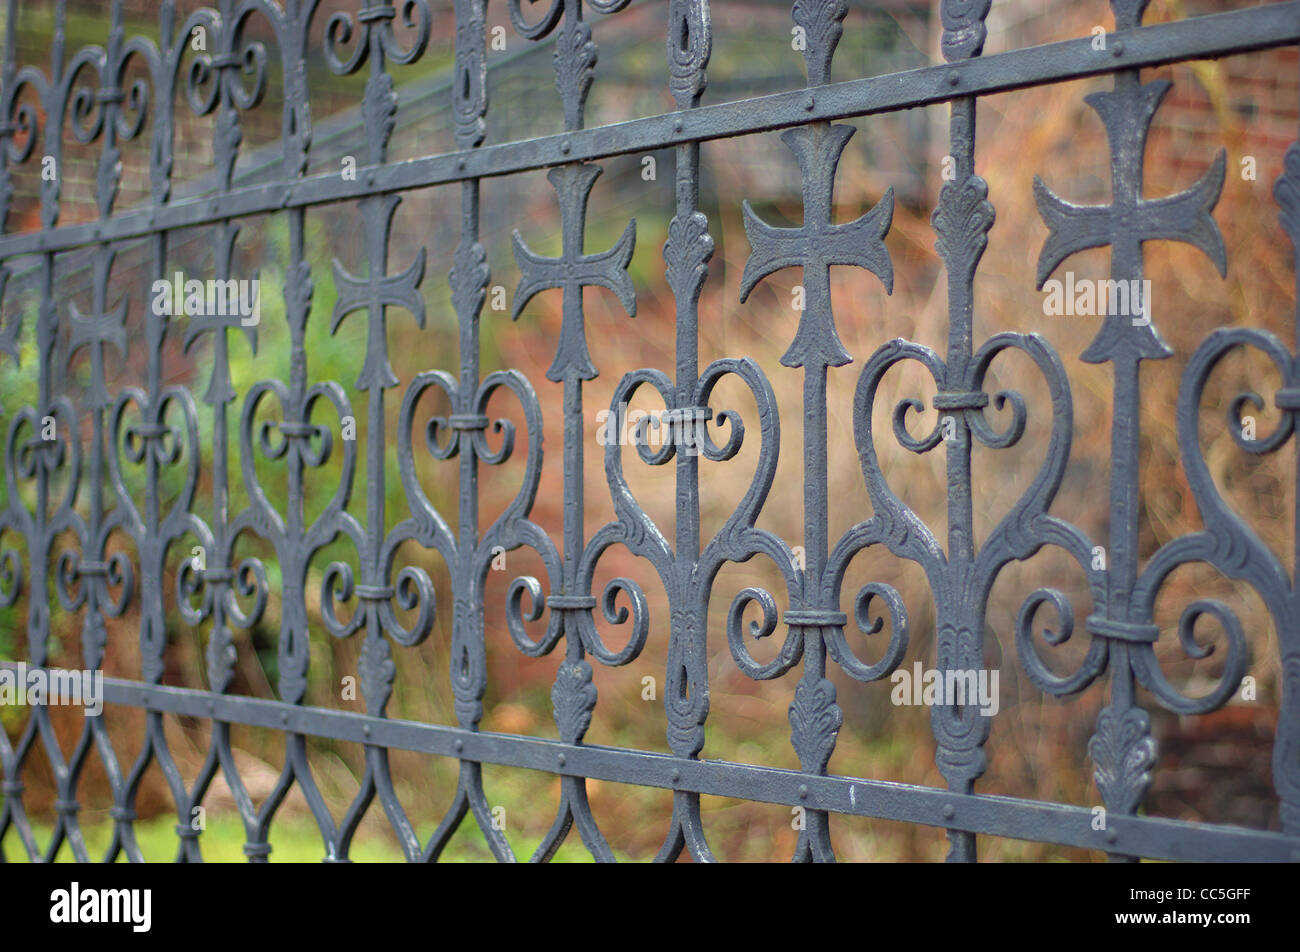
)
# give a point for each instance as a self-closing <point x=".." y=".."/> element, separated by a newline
<point x="1011" y="817"/>
<point x="1203" y="37"/>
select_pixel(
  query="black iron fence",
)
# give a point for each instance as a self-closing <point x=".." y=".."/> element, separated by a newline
<point x="71" y="503"/>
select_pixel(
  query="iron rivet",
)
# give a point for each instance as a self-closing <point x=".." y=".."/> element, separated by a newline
<point x="809" y="103"/>
<point x="1112" y="836"/>
<point x="949" y="811"/>
<point x="460" y="163"/>
<point x="366" y="730"/>
<point x="677" y="125"/>
<point x="370" y="178"/>
<point x="1117" y="49"/>
<point x="677" y="775"/>
<point x="564" y="146"/>
<point x="803" y="791"/>
<point x="953" y="79"/>
<point x="212" y="707"/>
<point x="284" y="718"/>
<point x="561" y="759"/>
<point x="460" y="745"/>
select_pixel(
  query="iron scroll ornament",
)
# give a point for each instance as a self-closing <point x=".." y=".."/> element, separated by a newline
<point x="570" y="569"/>
<point x="121" y="489"/>
<point x="816" y="624"/>
<point x="1122" y="747"/>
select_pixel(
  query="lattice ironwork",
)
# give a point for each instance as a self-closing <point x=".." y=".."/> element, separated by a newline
<point x="72" y="483"/>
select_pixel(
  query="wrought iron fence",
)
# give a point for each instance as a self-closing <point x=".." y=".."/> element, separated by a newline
<point x="65" y="480"/>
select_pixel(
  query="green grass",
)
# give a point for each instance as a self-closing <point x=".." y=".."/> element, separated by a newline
<point x="294" y="839"/>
